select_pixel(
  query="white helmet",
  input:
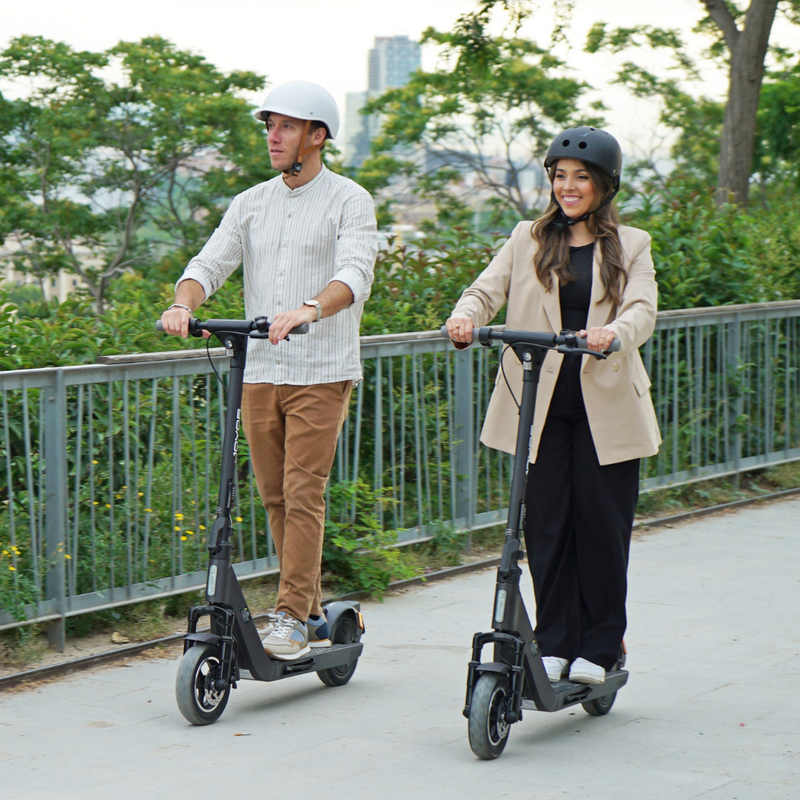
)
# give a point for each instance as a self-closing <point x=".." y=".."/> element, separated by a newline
<point x="302" y="100"/>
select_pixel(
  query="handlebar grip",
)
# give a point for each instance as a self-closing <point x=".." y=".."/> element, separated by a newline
<point x="300" y="328"/>
<point x="159" y="326"/>
<point x="445" y="333"/>
<point x="612" y="348"/>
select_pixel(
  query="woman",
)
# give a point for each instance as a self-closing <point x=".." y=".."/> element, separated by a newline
<point x="576" y="268"/>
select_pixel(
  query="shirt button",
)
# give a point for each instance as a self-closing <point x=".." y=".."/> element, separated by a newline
<point x="285" y="244"/>
<point x="280" y="274"/>
<point x="615" y="367"/>
<point x="289" y="215"/>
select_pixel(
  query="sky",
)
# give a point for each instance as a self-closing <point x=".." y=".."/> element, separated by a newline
<point x="326" y="41"/>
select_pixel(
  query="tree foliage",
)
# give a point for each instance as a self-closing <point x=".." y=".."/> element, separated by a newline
<point x="738" y="40"/>
<point x="478" y="125"/>
<point x="119" y="159"/>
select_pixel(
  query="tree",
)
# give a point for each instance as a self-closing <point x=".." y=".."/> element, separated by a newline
<point x="740" y="38"/>
<point x="120" y="159"/>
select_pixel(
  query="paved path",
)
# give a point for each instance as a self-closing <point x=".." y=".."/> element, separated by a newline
<point x="711" y="709"/>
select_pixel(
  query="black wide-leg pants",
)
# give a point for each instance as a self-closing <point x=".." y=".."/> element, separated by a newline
<point x="578" y="522"/>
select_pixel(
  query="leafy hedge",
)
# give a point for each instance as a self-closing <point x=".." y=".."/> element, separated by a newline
<point x="705" y="256"/>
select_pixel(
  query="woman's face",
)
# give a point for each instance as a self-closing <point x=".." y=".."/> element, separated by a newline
<point x="573" y="187"/>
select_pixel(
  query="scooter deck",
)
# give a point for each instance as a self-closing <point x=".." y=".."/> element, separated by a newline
<point x="567" y="693"/>
<point x="337" y="655"/>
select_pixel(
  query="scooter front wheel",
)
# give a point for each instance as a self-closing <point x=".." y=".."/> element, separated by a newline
<point x="198" y="699"/>
<point x="488" y="732"/>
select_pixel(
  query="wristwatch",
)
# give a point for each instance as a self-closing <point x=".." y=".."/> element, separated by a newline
<point x="315" y="304"/>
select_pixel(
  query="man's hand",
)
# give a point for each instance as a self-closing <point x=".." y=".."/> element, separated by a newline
<point x="176" y="321"/>
<point x="282" y="325"/>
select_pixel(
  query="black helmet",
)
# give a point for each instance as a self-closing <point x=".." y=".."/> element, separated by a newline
<point x="590" y="145"/>
<point x="593" y="146"/>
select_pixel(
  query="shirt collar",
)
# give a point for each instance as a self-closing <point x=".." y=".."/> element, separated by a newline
<point x="300" y="189"/>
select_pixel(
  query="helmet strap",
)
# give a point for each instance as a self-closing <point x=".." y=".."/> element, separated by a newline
<point x="302" y="152"/>
<point x="564" y="223"/>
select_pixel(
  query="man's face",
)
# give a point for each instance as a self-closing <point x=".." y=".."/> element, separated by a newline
<point x="284" y="136"/>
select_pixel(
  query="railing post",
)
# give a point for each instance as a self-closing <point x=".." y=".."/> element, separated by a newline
<point x="736" y="373"/>
<point x="55" y="459"/>
<point x="465" y="446"/>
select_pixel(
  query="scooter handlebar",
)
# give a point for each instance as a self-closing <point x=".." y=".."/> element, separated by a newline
<point x="257" y="327"/>
<point x="564" y="342"/>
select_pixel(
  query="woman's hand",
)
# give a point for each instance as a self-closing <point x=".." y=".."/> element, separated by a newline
<point x="460" y="329"/>
<point x="598" y="339"/>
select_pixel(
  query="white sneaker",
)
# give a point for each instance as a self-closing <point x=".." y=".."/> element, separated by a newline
<point x="555" y="667"/>
<point x="583" y="671"/>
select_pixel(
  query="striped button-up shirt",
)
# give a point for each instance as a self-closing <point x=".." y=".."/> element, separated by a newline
<point x="292" y="243"/>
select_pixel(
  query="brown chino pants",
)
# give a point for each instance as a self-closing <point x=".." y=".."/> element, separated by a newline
<point x="292" y="432"/>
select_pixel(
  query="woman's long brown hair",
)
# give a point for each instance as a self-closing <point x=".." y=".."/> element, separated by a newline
<point x="552" y="256"/>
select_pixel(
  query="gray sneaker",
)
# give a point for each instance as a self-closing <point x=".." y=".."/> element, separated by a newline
<point x="272" y="617"/>
<point x="288" y="639"/>
<point x="318" y="631"/>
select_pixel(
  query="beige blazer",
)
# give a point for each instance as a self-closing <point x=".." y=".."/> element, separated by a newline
<point x="616" y="391"/>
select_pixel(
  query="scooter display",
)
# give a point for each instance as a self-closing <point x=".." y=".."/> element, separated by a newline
<point x="215" y="661"/>
<point x="515" y="679"/>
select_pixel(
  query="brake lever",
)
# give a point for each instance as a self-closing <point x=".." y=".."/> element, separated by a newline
<point x="567" y="349"/>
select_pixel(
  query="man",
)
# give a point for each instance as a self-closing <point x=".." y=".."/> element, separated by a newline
<point x="307" y="241"/>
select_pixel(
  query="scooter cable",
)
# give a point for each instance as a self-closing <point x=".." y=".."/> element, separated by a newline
<point x="505" y="378"/>
<point x="211" y="361"/>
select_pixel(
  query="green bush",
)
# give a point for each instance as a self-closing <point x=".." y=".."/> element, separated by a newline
<point x="357" y="551"/>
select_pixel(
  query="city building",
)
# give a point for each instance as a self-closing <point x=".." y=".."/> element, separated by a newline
<point x="389" y="65"/>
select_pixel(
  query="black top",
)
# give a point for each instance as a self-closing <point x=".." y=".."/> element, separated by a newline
<point x="577" y="294"/>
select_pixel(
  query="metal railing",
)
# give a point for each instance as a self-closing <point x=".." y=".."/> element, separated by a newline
<point x="107" y="472"/>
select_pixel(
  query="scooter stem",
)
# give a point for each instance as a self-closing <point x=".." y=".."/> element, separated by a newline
<point x="532" y="359"/>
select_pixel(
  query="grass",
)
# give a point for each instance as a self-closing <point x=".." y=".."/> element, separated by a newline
<point x="26" y="647"/>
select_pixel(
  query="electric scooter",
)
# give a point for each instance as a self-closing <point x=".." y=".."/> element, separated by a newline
<point x="515" y="680"/>
<point x="214" y="662"/>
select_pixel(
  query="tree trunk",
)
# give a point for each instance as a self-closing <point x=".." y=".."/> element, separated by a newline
<point x="748" y="49"/>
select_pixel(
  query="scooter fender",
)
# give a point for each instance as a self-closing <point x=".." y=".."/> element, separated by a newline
<point x="494" y="666"/>
<point x="342" y="608"/>
<point x="201" y="638"/>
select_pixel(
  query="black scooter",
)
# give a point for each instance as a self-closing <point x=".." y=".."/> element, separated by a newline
<point x="214" y="662"/>
<point x="499" y="690"/>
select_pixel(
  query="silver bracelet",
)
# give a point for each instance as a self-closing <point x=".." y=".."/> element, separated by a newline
<point x="180" y="305"/>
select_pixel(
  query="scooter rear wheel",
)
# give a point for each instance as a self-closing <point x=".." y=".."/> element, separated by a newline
<point x="488" y="733"/>
<point x="198" y="700"/>
<point x="601" y="706"/>
<point x="345" y="632"/>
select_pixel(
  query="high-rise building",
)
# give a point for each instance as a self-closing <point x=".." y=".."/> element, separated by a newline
<point x="391" y="62"/>
<point x="389" y="65"/>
